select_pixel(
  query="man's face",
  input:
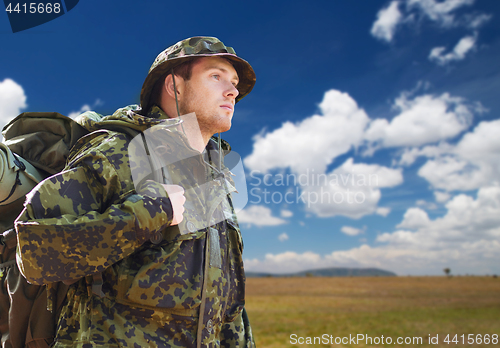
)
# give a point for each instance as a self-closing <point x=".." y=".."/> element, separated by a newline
<point x="211" y="94"/>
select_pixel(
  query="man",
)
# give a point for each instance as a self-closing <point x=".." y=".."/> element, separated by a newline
<point x="151" y="263"/>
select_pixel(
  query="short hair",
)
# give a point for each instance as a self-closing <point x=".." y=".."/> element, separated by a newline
<point x="183" y="70"/>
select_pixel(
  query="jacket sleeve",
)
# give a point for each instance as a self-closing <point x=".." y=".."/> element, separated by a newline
<point x="82" y="220"/>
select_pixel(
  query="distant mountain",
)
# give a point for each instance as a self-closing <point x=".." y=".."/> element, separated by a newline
<point x="329" y="272"/>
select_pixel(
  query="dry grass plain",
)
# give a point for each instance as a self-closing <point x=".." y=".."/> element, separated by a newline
<point x="373" y="306"/>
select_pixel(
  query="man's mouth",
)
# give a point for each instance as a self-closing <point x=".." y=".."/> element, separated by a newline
<point x="227" y="106"/>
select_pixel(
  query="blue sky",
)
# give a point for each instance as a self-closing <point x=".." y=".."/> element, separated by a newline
<point x="393" y="104"/>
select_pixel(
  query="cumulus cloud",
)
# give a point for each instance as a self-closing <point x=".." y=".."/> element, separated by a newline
<point x="286" y="262"/>
<point x="309" y="146"/>
<point x="352" y="189"/>
<point x="466" y="238"/>
<point x="441" y="196"/>
<point x="467" y="221"/>
<point x="283" y="237"/>
<point x="471" y="164"/>
<point x="351" y="231"/>
<point x="313" y="143"/>
<point x="426" y="205"/>
<point x="422" y="126"/>
<point x="477" y="257"/>
<point x="465" y="45"/>
<point x="409" y="155"/>
<point x="387" y="20"/>
<point x="286" y="213"/>
<point x="450" y="173"/>
<point x="260" y="216"/>
<point x="471" y="257"/>
<point x="414" y="218"/>
<point x="12" y="101"/>
<point x="383" y="211"/>
<point x="84" y="108"/>
<point x="421" y="120"/>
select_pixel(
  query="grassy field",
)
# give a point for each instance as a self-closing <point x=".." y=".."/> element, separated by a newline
<point x="406" y="307"/>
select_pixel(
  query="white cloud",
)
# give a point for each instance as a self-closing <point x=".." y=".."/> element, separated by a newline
<point x="441" y="197"/>
<point x="352" y="189"/>
<point x="482" y="144"/>
<point x="387" y="20"/>
<point x="286" y="262"/>
<point x="422" y="120"/>
<point x="283" y="237"/>
<point x="426" y="205"/>
<point x="314" y="142"/>
<point x="471" y="164"/>
<point x="414" y="218"/>
<point x="440" y="12"/>
<point x="466" y="222"/>
<point x="351" y="231"/>
<point x="84" y="108"/>
<point x="260" y="216"/>
<point x="409" y="155"/>
<point x="383" y="211"/>
<point x="466" y="239"/>
<point x="478" y="257"/>
<point x="451" y="173"/>
<point x="309" y="146"/>
<point x="475" y="21"/>
<point x="465" y="45"/>
<point x="286" y="213"/>
<point x="12" y="100"/>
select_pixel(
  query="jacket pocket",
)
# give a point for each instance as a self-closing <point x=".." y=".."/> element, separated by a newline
<point x="167" y="277"/>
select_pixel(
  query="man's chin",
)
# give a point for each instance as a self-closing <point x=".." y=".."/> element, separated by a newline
<point x="225" y="124"/>
<point x="225" y="129"/>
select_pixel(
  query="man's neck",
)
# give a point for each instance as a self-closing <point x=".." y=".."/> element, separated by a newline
<point x="198" y="138"/>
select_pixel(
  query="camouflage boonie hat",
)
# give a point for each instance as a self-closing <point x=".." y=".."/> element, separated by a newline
<point x="200" y="46"/>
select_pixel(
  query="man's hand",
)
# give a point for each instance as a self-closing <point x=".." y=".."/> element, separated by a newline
<point x="177" y="199"/>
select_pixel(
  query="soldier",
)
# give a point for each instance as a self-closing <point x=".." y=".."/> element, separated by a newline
<point x="151" y="263"/>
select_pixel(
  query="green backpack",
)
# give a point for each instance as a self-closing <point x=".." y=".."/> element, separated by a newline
<point x="36" y="145"/>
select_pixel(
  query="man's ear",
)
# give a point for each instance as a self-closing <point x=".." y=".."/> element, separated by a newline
<point x="169" y="86"/>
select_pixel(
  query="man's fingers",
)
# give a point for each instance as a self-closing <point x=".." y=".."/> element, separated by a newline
<point x="171" y="189"/>
<point x="177" y="199"/>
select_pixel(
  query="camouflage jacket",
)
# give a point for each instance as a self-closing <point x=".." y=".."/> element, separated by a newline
<point x="162" y="286"/>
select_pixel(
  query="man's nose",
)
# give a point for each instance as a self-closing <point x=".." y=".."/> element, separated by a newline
<point x="231" y="91"/>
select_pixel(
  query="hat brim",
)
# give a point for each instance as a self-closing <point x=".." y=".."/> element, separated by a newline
<point x="244" y="70"/>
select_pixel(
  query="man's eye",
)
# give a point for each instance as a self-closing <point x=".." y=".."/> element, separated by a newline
<point x="215" y="76"/>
